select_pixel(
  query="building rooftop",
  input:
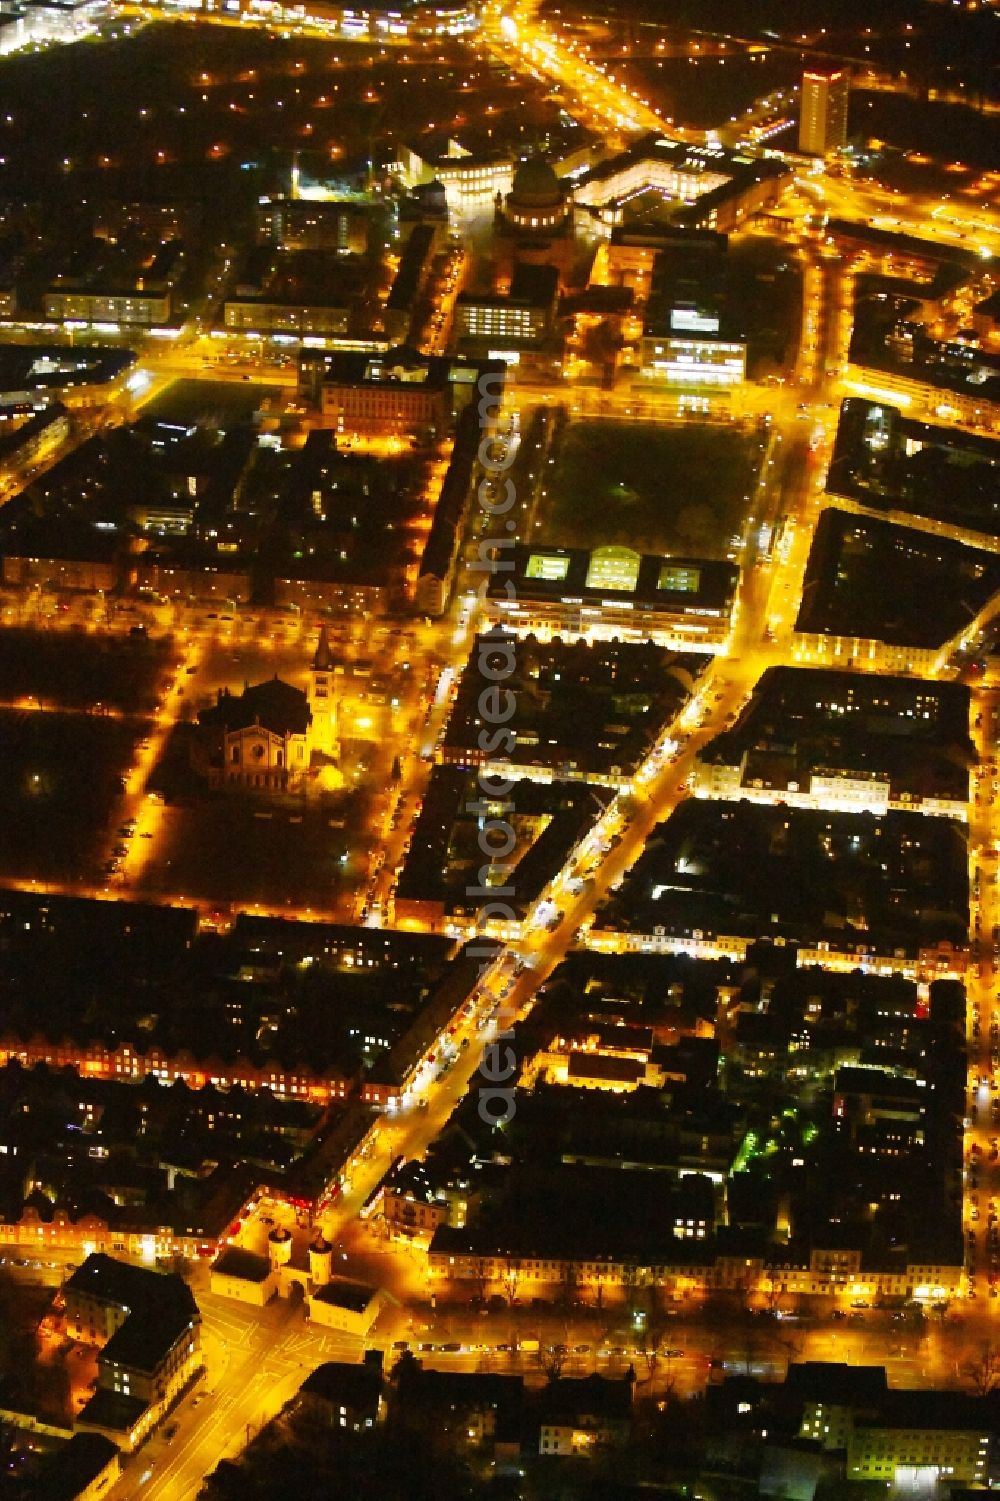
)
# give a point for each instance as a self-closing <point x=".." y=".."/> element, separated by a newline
<point x="247" y="1266"/>
<point x="70" y="1470"/>
<point x="535" y="182"/>
<point x="160" y="1308"/>
<point x="692" y="586"/>
<point x="873" y="580"/>
<point x="836" y="1383"/>
<point x="583" y="1065"/>
<point x="113" y="1410"/>
<point x="584" y="706"/>
<point x="571" y="1398"/>
<point x="461" y="1390"/>
<point x="803" y="874"/>
<point x="930" y="1411"/>
<point x="54" y="367"/>
<point x="274" y="705"/>
<point x="855" y="231"/>
<point x="893" y="462"/>
<point x="710" y="161"/>
<point x="803" y="722"/>
<point x="339" y="1382"/>
<point x="356" y="1297"/>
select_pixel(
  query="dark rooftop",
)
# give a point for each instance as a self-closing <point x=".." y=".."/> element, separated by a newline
<point x="890" y="461"/>
<point x="832" y="1381"/>
<point x="234" y="1261"/>
<point x="870" y="579"/>
<point x="108" y="1409"/>
<point x="572" y="1397"/>
<point x="341" y="1382"/>
<point x="161" y="1307"/>
<point x="274" y="705"/>
<point x="801" y="873"/>
<point x="70" y="1470"/>
<point x="342" y="1293"/>
<point x="692" y="586"/>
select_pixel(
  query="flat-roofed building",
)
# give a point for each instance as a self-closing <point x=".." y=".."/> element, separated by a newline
<point x="614" y="592"/>
<point x="314" y="224"/>
<point x="692" y="362"/>
<point x="525" y="316"/>
<point x="462" y="174"/>
<point x="147" y="1325"/>
<point x="719" y="187"/>
<point x="350" y="1307"/>
<point x="264" y="315"/>
<point x="104" y="283"/>
<point x="944" y="1435"/>
<point x="823" y="112"/>
<point x="392" y="393"/>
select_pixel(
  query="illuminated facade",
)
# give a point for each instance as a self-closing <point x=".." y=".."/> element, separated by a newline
<point x="692" y="362"/>
<point x="945" y="1438"/>
<point x="264" y="738"/>
<point x="537" y="203"/>
<point x="524" y="317"/>
<point x="306" y="223"/>
<point x="322" y="699"/>
<point x="656" y="166"/>
<point x="500" y="320"/>
<point x="126" y="1064"/>
<point x="394" y="393"/>
<point x="257" y="739"/>
<point x="616" y="592"/>
<point x="841" y="791"/>
<point x="823" y="113"/>
<point x="462" y="175"/>
<point x="142" y="308"/>
<point x="148" y="1327"/>
<point x="259" y="315"/>
<point x="719" y="188"/>
<point x="34" y="439"/>
<point x="691" y="1263"/>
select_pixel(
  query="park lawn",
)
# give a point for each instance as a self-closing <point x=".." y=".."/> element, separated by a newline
<point x="677" y="490"/>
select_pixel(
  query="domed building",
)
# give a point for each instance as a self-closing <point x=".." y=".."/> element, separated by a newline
<point x="534" y="225"/>
<point x="537" y="204"/>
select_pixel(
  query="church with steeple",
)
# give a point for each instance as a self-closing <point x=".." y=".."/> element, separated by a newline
<point x="269" y="737"/>
<point x="325" y="737"/>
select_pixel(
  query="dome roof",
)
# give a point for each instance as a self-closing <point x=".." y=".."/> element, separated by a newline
<point x="536" y="182"/>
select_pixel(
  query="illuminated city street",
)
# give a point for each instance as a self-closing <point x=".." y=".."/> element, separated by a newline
<point x="500" y="886"/>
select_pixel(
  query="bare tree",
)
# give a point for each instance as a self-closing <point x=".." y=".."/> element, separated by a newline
<point x="480" y="1276"/>
<point x="510" y="1278"/>
<point x="630" y="1284"/>
<point x="772" y="1290"/>
<point x="749" y="1342"/>
<point x="654" y="1330"/>
<point x="569" y="1286"/>
<point x="790" y="1344"/>
<point x="982" y="1371"/>
<point x="744" y="1288"/>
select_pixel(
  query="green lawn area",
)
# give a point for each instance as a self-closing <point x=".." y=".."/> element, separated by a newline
<point x="74" y="670"/>
<point x="680" y="490"/>
<point x="60" y="786"/>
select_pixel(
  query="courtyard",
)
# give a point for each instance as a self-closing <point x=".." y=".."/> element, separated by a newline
<point x="677" y="490"/>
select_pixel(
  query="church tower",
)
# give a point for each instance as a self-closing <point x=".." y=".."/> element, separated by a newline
<point x="322" y="700"/>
